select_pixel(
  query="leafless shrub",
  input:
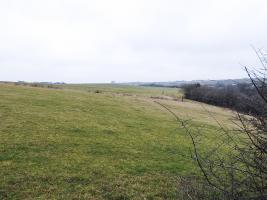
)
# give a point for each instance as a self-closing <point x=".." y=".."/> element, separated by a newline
<point x="235" y="167"/>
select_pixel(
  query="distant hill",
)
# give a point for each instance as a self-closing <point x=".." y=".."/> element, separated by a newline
<point x="180" y="83"/>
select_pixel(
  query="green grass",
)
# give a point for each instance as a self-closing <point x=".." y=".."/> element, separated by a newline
<point x="125" y="90"/>
<point x="74" y="143"/>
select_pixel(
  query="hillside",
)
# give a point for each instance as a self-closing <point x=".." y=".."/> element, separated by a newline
<point x="211" y="83"/>
<point x="96" y="141"/>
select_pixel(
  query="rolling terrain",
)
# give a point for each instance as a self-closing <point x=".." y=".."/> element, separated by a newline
<point x="97" y="141"/>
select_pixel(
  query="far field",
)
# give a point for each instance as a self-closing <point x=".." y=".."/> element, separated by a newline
<point x="97" y="141"/>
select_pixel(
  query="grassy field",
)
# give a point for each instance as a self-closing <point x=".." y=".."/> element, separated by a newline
<point x="96" y="142"/>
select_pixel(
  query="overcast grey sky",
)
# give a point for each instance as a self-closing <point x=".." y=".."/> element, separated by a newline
<point x="129" y="40"/>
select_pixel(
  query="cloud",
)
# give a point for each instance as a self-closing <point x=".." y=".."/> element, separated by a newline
<point x="142" y="40"/>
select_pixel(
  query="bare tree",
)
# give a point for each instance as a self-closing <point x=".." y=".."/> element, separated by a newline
<point x="236" y="166"/>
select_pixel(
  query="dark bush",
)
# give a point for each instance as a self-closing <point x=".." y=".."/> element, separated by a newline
<point x="238" y="97"/>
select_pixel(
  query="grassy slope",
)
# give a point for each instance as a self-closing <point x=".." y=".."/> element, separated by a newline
<point x="75" y="143"/>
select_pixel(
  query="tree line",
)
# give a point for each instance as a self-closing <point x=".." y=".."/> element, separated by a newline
<point x="240" y="97"/>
